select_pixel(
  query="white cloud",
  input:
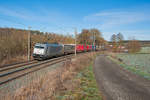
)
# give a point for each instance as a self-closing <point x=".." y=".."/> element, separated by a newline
<point x="137" y="34"/>
<point x="40" y="15"/>
<point x="111" y="19"/>
<point x="115" y="21"/>
<point x="12" y="13"/>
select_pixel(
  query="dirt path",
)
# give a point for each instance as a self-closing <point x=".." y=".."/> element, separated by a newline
<point x="119" y="84"/>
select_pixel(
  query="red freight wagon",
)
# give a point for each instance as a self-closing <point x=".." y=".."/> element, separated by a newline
<point x="79" y="48"/>
<point x="87" y="47"/>
<point x="82" y="48"/>
<point x="90" y="47"/>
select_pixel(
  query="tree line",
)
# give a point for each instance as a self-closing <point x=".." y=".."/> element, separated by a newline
<point x="91" y="37"/>
<point x="117" y="44"/>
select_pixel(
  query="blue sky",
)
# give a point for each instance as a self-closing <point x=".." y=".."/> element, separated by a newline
<point x="130" y="17"/>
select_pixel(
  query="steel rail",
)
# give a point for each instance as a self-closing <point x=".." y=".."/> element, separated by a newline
<point x="2" y="74"/>
<point x="20" y="65"/>
<point x="16" y="66"/>
<point x="13" y="75"/>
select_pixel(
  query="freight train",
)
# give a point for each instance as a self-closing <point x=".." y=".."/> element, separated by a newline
<point x="44" y="51"/>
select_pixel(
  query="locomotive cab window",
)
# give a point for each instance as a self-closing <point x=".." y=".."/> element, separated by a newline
<point x="39" y="47"/>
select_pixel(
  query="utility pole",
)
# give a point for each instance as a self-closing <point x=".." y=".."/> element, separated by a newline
<point x="75" y="41"/>
<point x="29" y="43"/>
<point x="94" y="40"/>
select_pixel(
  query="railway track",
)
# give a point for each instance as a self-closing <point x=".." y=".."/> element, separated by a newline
<point x="13" y="72"/>
<point x="5" y="68"/>
<point x="16" y="64"/>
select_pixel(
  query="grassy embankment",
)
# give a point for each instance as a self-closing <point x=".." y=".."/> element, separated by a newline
<point x="87" y="89"/>
<point x="136" y="63"/>
<point x="73" y="81"/>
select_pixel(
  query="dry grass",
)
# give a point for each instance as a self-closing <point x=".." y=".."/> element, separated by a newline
<point x="57" y="80"/>
<point x="14" y="59"/>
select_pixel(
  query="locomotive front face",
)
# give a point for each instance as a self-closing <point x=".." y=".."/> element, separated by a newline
<point x="39" y="51"/>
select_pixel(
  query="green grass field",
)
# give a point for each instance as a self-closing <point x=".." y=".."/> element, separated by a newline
<point x="145" y="50"/>
<point x="138" y="63"/>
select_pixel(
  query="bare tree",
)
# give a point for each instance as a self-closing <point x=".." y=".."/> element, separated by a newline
<point x="87" y="36"/>
<point x="120" y="41"/>
<point x="114" y="42"/>
<point x="134" y="46"/>
<point x="84" y="37"/>
<point x="97" y="35"/>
